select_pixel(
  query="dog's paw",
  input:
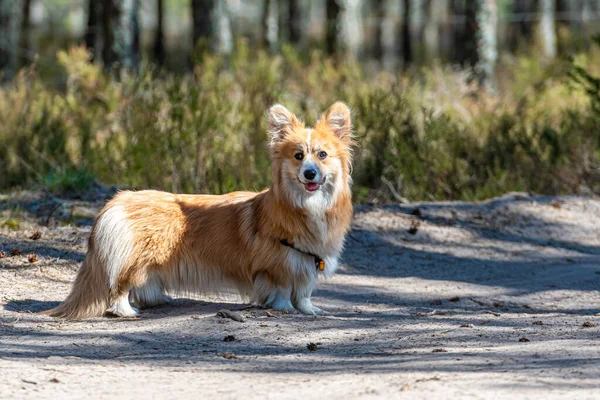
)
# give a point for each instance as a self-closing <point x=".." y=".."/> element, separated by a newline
<point x="282" y="305"/>
<point x="305" y="307"/>
<point x="123" y="309"/>
<point x="319" y="311"/>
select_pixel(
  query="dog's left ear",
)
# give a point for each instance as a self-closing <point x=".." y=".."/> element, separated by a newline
<point x="280" y="122"/>
<point x="339" y="120"/>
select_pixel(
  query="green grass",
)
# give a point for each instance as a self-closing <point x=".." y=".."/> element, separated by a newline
<point x="11" y="223"/>
<point x="60" y="181"/>
<point x="422" y="135"/>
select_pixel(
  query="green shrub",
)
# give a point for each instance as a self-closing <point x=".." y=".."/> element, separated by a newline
<point x="427" y="135"/>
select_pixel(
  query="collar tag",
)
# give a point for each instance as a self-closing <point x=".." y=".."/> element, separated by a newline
<point x="321" y="265"/>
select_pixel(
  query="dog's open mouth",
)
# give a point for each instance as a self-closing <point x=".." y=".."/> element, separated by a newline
<point x="311" y="186"/>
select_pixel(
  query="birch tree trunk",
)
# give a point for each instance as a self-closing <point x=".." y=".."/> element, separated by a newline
<point x="271" y="25"/>
<point x="417" y="24"/>
<point x="223" y="40"/>
<point x="212" y="26"/>
<point x="385" y="48"/>
<point x="482" y="21"/>
<point x="127" y="38"/>
<point x="121" y="34"/>
<point x="436" y="16"/>
<point x="390" y="35"/>
<point x="547" y="29"/>
<point x="351" y="28"/>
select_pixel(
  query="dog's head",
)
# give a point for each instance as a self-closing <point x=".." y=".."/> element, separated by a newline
<point x="311" y="166"/>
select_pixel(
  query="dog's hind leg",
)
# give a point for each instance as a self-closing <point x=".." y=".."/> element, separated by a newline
<point x="121" y="307"/>
<point x="150" y="294"/>
<point x="130" y="278"/>
<point x="267" y="293"/>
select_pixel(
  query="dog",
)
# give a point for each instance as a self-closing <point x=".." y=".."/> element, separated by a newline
<point x="270" y="247"/>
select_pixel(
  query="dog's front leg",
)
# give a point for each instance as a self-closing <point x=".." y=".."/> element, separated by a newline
<point x="282" y="299"/>
<point x="267" y="293"/>
<point x="301" y="297"/>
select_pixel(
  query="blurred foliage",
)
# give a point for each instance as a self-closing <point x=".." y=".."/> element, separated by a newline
<point x="427" y="135"/>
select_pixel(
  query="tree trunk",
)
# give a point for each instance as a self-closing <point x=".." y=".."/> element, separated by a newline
<point x="109" y="13"/>
<point x="129" y="45"/>
<point x="389" y="34"/>
<point x="481" y="27"/>
<point x="587" y="19"/>
<point x="407" y="52"/>
<point x="443" y="12"/>
<point x="121" y="34"/>
<point x="211" y="26"/>
<point x="351" y="28"/>
<point x="271" y="25"/>
<point x="378" y="50"/>
<point x="24" y="34"/>
<point x="457" y="10"/>
<point x="9" y="12"/>
<point x="223" y="40"/>
<point x="522" y="31"/>
<point x="93" y="27"/>
<point x="202" y="24"/>
<point x="417" y="25"/>
<point x="431" y="29"/>
<point x="547" y="29"/>
<point x="294" y="22"/>
<point x="565" y="20"/>
<point x="331" y="30"/>
<point x="159" y="38"/>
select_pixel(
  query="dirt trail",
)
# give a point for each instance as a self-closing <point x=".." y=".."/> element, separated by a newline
<point x="434" y="300"/>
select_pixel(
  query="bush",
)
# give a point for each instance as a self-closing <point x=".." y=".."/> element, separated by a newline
<point x="422" y="136"/>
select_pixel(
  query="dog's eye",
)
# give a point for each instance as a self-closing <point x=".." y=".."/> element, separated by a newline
<point x="299" y="156"/>
<point x="322" y="155"/>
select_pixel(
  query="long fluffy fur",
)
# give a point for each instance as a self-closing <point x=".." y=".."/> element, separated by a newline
<point x="89" y="296"/>
<point x="148" y="243"/>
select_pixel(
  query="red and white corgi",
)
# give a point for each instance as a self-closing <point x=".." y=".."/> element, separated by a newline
<point x="269" y="246"/>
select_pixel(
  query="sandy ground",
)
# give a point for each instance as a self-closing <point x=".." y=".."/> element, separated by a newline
<point x="434" y="300"/>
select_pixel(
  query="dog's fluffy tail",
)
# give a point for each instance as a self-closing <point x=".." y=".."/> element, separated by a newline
<point x="89" y="296"/>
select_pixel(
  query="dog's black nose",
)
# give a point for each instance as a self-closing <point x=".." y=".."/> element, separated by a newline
<point x="310" y="174"/>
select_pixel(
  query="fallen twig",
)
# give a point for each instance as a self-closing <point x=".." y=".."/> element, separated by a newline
<point x="225" y="313"/>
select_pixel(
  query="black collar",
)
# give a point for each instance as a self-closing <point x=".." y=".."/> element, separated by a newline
<point x="319" y="263"/>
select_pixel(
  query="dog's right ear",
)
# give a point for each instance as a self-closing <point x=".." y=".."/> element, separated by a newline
<point x="281" y="121"/>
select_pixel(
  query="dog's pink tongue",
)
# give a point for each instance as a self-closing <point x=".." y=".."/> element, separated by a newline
<point x="312" y="186"/>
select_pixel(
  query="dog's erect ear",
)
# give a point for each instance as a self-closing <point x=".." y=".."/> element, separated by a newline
<point x="281" y="121"/>
<point x="338" y="120"/>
